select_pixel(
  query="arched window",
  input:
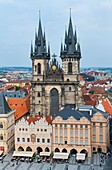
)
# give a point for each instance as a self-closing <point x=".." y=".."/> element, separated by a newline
<point x="1" y="137"/>
<point x="47" y="149"/>
<point x="84" y="151"/>
<point x="73" y="151"/>
<point x="39" y="68"/>
<point x="64" y="150"/>
<point x="57" y="150"/>
<point x="20" y="148"/>
<point x="38" y="94"/>
<point x="69" y="67"/>
<point x="28" y="149"/>
<point x="39" y="149"/>
<point x="54" y="107"/>
<point x="1" y="125"/>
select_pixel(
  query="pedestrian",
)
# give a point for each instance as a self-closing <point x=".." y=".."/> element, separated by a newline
<point x="100" y="165"/>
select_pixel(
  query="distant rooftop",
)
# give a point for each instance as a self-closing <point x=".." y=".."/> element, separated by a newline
<point x="4" y="107"/>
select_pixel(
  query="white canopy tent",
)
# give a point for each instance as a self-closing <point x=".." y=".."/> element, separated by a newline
<point x="80" y="156"/>
<point x="45" y="153"/>
<point x="60" y="155"/>
<point x="23" y="154"/>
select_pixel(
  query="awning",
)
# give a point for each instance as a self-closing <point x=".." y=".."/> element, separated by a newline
<point x="45" y="153"/>
<point x="1" y="152"/>
<point x="60" y="155"/>
<point x="80" y="156"/>
<point x="23" y="154"/>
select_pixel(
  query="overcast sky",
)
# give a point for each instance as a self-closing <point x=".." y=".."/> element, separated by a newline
<point x="19" y="19"/>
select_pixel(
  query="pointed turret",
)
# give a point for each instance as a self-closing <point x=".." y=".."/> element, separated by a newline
<point x="64" y="47"/>
<point x="31" y="48"/>
<point x="66" y="36"/>
<point x="48" y="50"/>
<point x="44" y="41"/>
<point x="70" y="41"/>
<point x="40" y="35"/>
<point x="36" y="39"/>
<point x="61" y="51"/>
<point x="70" y="28"/>
<point x="40" y="43"/>
<point x="78" y="49"/>
<point x="75" y="37"/>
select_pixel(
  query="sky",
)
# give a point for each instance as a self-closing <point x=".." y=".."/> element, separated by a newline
<point x="92" y="19"/>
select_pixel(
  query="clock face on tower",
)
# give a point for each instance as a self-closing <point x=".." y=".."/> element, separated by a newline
<point x="53" y="67"/>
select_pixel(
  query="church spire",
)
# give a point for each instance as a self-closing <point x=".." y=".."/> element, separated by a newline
<point x="31" y="52"/>
<point x="75" y="37"/>
<point x="61" y="47"/>
<point x="65" y="35"/>
<point x="61" y="50"/>
<point x="40" y="42"/>
<point x="70" y="41"/>
<point x="40" y="28"/>
<point x="78" y="48"/>
<point x="44" y="41"/>
<point x="49" y="50"/>
<point x="70" y="27"/>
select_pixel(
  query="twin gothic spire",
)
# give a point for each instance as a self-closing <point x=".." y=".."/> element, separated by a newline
<point x="70" y="47"/>
<point x="40" y="47"/>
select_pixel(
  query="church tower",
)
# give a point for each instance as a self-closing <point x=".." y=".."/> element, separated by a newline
<point x="53" y="87"/>
<point x="71" y="54"/>
<point x="40" y="57"/>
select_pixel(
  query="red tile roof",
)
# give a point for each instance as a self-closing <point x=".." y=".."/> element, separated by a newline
<point x="90" y="100"/>
<point x="107" y="106"/>
<point x="32" y="119"/>
<point x="22" y="106"/>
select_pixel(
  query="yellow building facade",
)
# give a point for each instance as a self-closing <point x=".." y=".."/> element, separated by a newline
<point x="77" y="132"/>
<point x="7" y="123"/>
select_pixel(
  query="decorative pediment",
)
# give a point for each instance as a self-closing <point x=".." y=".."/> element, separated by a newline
<point x="84" y="119"/>
<point x="72" y="119"/>
<point x="98" y="117"/>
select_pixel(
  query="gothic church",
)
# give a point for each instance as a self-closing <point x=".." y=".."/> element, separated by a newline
<point x="55" y="87"/>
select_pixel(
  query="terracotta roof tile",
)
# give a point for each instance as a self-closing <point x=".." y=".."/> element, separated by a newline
<point x="32" y="119"/>
<point x="107" y="106"/>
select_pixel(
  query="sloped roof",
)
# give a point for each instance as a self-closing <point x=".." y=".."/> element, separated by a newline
<point x="32" y="119"/>
<point x="89" y="111"/>
<point x="107" y="106"/>
<point x="68" y="112"/>
<point x="4" y="107"/>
